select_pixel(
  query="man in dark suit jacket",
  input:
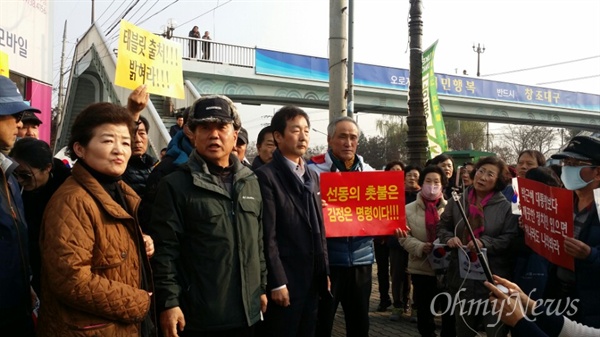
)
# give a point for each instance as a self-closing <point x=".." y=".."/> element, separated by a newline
<point x="294" y="233"/>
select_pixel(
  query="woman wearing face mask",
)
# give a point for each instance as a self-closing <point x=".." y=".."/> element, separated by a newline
<point x="581" y="174"/>
<point x="495" y="227"/>
<point x="422" y="217"/>
<point x="39" y="175"/>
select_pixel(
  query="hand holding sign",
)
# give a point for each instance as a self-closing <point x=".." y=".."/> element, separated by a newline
<point x="363" y="203"/>
<point x="547" y="217"/>
<point x="138" y="99"/>
<point x="576" y="248"/>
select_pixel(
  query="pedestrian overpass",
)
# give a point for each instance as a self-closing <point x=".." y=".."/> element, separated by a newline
<point x="258" y="76"/>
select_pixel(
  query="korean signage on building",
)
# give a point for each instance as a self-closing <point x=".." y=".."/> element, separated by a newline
<point x="26" y="37"/>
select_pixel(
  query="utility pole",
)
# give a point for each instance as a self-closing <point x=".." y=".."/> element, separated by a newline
<point x="338" y="56"/>
<point x="487" y="136"/>
<point x="417" y="125"/>
<point x="479" y="50"/>
<point x="350" y="100"/>
<point x="61" y="93"/>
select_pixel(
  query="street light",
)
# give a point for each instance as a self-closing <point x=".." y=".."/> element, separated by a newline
<point x="169" y="28"/>
<point x="317" y="131"/>
<point x="480" y="49"/>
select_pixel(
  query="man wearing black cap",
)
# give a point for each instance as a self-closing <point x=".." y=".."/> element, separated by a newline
<point x="581" y="174"/>
<point x="15" y="290"/>
<point x="210" y="274"/>
<point x="30" y="127"/>
<point x="240" y="147"/>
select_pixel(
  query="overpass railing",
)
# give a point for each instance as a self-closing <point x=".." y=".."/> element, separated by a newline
<point x="215" y="52"/>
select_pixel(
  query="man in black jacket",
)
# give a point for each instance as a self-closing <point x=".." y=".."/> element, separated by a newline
<point x="265" y="145"/>
<point x="294" y="233"/>
<point x="141" y="163"/>
<point x="177" y="154"/>
<point x="209" y="266"/>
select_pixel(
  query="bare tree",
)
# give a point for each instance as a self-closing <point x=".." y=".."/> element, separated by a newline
<point x="505" y="153"/>
<point x="531" y="137"/>
<point x="251" y="151"/>
<point x="465" y="135"/>
<point x="394" y="133"/>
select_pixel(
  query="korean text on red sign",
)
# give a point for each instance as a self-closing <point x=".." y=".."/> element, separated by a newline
<point x="547" y="216"/>
<point x="363" y="203"/>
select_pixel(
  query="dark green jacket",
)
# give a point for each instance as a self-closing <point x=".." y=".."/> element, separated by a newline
<point x="209" y="256"/>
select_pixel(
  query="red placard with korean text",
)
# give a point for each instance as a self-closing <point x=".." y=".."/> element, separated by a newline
<point x="363" y="203"/>
<point x="547" y="216"/>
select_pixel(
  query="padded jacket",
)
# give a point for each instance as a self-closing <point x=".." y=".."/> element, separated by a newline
<point x="500" y="229"/>
<point x="209" y="256"/>
<point x="91" y="252"/>
<point x="137" y="172"/>
<point x="418" y="262"/>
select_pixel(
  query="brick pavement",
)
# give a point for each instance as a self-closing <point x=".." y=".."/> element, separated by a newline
<point x="380" y="324"/>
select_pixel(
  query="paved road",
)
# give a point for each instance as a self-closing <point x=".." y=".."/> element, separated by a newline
<point x="381" y="326"/>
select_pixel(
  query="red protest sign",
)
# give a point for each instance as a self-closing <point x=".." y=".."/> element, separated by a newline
<point x="547" y="216"/>
<point x="363" y="203"/>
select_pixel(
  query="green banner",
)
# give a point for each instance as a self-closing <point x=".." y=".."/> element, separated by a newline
<point x="436" y="130"/>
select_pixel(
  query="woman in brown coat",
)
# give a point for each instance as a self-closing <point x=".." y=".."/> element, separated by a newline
<point x="95" y="278"/>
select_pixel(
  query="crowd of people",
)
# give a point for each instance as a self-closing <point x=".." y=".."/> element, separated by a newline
<point x="204" y="242"/>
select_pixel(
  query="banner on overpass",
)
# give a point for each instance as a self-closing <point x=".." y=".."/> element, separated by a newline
<point x="146" y="58"/>
<point x="289" y="65"/>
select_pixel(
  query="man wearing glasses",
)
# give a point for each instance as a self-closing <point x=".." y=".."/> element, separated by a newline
<point x="581" y="174"/>
<point x="15" y="290"/>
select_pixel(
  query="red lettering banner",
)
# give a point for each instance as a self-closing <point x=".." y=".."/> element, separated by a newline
<point x="363" y="203"/>
<point x="547" y="216"/>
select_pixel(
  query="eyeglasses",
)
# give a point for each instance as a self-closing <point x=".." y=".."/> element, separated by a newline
<point x="489" y="174"/>
<point x="18" y="116"/>
<point x="23" y="175"/>
<point x="575" y="162"/>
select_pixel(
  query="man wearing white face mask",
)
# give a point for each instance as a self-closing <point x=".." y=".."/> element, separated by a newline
<point x="581" y="174"/>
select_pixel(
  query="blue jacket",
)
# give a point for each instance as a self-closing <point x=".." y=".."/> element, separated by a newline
<point x="14" y="256"/>
<point x="345" y="251"/>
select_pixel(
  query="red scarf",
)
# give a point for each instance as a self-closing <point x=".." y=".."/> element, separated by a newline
<point x="431" y="218"/>
<point x="476" y="218"/>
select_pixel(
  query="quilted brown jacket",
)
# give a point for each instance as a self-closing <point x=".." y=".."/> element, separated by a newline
<point x="91" y="273"/>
